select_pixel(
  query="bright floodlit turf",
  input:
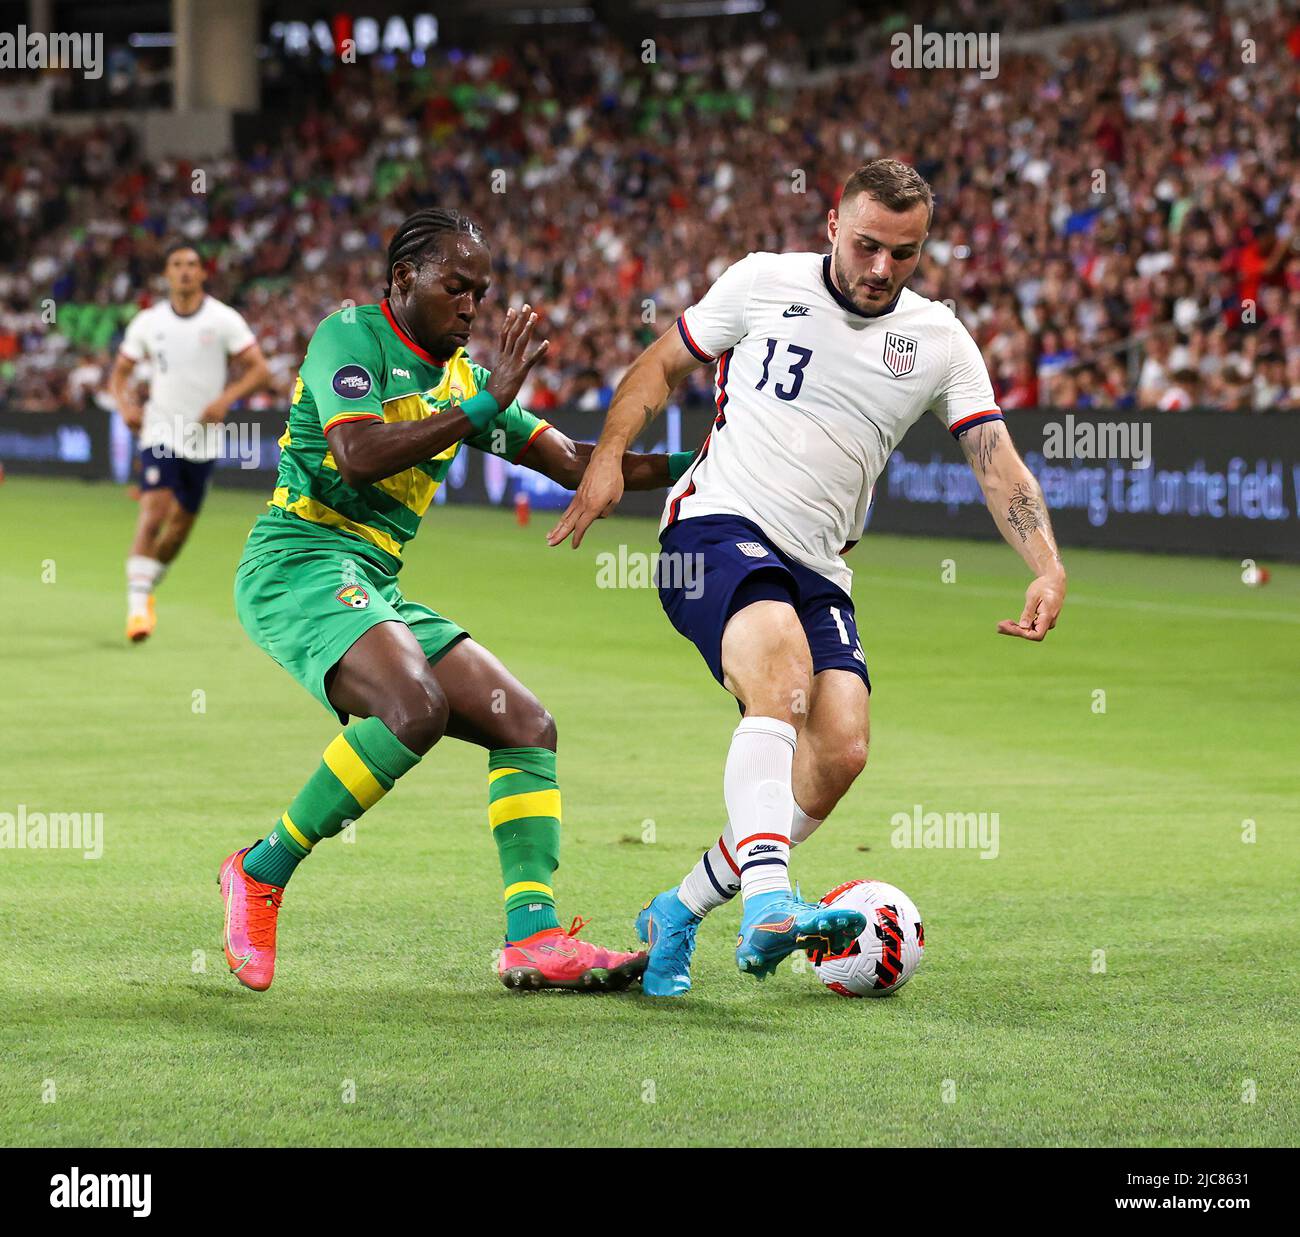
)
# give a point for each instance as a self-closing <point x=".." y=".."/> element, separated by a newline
<point x="1118" y="832"/>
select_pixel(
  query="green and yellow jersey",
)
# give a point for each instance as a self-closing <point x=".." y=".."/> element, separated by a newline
<point x="361" y="366"/>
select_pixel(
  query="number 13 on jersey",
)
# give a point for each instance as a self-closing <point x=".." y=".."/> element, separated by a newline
<point x="794" y="370"/>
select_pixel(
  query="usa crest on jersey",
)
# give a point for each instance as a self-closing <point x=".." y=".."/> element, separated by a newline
<point x="900" y="354"/>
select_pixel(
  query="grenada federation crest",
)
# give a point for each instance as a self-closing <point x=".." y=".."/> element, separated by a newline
<point x="353" y="596"/>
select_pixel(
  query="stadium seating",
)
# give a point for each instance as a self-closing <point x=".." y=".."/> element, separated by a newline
<point x="1118" y="222"/>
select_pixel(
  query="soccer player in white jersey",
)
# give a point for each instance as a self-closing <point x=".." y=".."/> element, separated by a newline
<point x="191" y="341"/>
<point x="823" y="362"/>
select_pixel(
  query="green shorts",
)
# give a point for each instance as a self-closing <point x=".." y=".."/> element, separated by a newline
<point x="306" y="608"/>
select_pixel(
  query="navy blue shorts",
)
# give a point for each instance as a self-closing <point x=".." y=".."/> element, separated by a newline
<point x="715" y="565"/>
<point x="187" y="479"/>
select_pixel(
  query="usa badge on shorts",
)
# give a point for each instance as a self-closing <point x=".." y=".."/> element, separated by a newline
<point x="900" y="354"/>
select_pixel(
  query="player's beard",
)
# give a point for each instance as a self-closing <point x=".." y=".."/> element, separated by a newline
<point x="846" y="286"/>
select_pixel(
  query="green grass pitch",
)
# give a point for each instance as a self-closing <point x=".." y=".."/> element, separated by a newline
<point x="1120" y="831"/>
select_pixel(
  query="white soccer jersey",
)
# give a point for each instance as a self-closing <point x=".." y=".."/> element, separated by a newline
<point x="812" y="396"/>
<point x="188" y="355"/>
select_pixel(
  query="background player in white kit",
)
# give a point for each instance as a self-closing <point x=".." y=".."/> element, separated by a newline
<point x="190" y="340"/>
<point x="823" y="363"/>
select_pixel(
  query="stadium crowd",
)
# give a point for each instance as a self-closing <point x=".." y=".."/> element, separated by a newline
<point x="1118" y="223"/>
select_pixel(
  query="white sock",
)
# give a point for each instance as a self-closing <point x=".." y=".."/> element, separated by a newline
<point x="715" y="880"/>
<point x="712" y="882"/>
<point x="143" y="575"/>
<point x="760" y="802"/>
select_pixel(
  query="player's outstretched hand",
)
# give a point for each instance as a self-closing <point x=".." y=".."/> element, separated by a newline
<point x="598" y="493"/>
<point x="1043" y="601"/>
<point x="514" y="359"/>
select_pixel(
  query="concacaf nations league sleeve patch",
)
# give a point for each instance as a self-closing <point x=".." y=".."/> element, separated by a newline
<point x="352" y="382"/>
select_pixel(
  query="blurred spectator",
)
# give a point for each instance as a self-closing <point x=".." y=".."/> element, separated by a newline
<point x="86" y="379"/>
<point x="1181" y="392"/>
<point x="1235" y="393"/>
<point x="630" y="187"/>
<point x="1155" y="378"/>
<point x="1269" y="389"/>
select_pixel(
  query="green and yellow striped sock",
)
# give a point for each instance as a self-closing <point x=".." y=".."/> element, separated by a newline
<point x="358" y="769"/>
<point x="524" y="812"/>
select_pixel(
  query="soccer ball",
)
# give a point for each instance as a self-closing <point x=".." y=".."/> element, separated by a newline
<point x="884" y="957"/>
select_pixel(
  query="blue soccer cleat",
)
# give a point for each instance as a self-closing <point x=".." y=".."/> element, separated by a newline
<point x="668" y="926"/>
<point x="776" y="924"/>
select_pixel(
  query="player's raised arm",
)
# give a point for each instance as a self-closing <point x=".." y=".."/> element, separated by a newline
<point x="557" y="456"/>
<point x="520" y="436"/>
<point x="703" y="332"/>
<point x="367" y="448"/>
<point x="1015" y="500"/>
<point x="640" y="398"/>
<point x="966" y="405"/>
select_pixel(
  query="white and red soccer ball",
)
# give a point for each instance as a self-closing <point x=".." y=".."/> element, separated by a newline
<point x="886" y="954"/>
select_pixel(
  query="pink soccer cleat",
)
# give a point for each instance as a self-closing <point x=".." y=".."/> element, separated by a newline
<point x="554" y="958"/>
<point x="252" y="909"/>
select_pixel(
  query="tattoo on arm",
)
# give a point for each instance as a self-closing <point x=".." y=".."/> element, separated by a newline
<point x="989" y="443"/>
<point x="1026" y="514"/>
<point x="649" y="413"/>
<point x="981" y="444"/>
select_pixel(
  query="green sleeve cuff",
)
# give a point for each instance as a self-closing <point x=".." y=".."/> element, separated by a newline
<point x="481" y="409"/>
<point x="678" y="463"/>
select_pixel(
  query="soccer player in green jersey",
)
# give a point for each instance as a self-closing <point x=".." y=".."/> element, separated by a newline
<point x="385" y="398"/>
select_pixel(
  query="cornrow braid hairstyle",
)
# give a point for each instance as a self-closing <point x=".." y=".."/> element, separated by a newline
<point x="417" y="232"/>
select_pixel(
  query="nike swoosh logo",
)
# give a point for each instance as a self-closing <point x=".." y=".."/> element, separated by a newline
<point x="784" y="926"/>
<point x="564" y="953"/>
<point x="788" y="314"/>
<point x="230" y="947"/>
